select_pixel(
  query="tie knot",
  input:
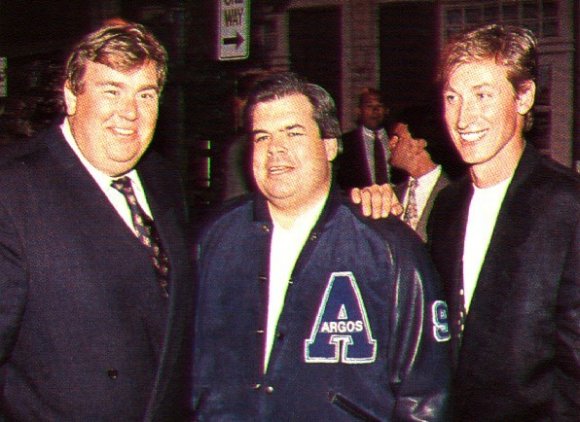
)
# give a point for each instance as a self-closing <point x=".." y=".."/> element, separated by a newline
<point x="123" y="185"/>
<point x="413" y="183"/>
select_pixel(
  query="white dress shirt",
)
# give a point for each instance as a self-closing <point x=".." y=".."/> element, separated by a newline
<point x="103" y="180"/>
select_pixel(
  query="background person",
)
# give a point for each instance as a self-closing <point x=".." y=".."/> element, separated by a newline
<point x="364" y="159"/>
<point x="417" y="148"/>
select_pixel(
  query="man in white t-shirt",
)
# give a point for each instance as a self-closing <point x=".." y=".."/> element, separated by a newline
<point x="506" y="240"/>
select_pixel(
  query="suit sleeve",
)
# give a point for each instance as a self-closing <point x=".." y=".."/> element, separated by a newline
<point x="13" y="283"/>
<point x="419" y="348"/>
<point x="567" y="391"/>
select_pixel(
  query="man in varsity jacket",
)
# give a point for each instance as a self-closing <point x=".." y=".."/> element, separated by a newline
<point x="307" y="311"/>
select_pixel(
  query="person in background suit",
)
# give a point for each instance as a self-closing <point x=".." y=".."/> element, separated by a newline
<point x="417" y="147"/>
<point x="506" y="240"/>
<point x="365" y="153"/>
<point x="95" y="291"/>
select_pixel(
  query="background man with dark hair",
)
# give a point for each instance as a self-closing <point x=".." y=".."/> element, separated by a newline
<point x="364" y="159"/>
<point x="307" y="312"/>
<point x="417" y="148"/>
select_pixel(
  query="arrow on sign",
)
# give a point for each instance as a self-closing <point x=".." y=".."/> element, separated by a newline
<point x="237" y="40"/>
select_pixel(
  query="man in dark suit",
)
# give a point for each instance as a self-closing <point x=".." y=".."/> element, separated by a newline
<point x="365" y="154"/>
<point x="506" y="241"/>
<point x="95" y="278"/>
<point x="417" y="148"/>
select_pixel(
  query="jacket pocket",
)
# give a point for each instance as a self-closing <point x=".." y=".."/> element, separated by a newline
<point x="349" y="407"/>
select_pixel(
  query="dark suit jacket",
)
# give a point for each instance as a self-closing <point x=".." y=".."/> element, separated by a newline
<point x="84" y="332"/>
<point x="352" y="168"/>
<point x="401" y="190"/>
<point x="520" y="354"/>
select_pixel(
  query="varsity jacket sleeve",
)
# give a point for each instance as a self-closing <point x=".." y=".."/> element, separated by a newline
<point x="418" y="349"/>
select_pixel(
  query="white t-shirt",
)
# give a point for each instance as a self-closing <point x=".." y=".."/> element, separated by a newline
<point x="483" y="211"/>
<point x="285" y="248"/>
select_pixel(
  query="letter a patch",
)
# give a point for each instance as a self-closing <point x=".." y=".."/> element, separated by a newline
<point x="341" y="332"/>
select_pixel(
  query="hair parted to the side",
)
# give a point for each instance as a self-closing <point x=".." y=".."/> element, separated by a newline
<point x="283" y="84"/>
<point x="122" y="46"/>
<point x="510" y="46"/>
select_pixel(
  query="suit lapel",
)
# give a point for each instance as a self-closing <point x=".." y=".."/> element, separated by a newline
<point x="98" y="218"/>
<point x="363" y="163"/>
<point x="442" y="181"/>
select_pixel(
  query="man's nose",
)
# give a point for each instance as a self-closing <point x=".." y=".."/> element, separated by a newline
<point x="128" y="108"/>
<point x="277" y="143"/>
<point x="467" y="114"/>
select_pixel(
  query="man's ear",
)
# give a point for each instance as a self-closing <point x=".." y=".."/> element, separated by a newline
<point x="331" y="148"/>
<point x="70" y="99"/>
<point x="526" y="96"/>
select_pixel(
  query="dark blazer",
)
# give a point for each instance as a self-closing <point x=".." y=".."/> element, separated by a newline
<point x="84" y="332"/>
<point x="352" y="167"/>
<point x="520" y="353"/>
<point x="401" y="190"/>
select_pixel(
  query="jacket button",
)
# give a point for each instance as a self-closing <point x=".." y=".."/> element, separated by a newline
<point x="265" y="229"/>
<point x="256" y="386"/>
<point x="259" y="331"/>
<point x="113" y="374"/>
<point x="269" y="389"/>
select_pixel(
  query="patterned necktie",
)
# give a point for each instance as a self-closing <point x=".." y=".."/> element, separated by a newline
<point x="411" y="216"/>
<point x="146" y="233"/>
<point x="381" y="175"/>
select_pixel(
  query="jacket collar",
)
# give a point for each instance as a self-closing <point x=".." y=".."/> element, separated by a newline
<point x="334" y="199"/>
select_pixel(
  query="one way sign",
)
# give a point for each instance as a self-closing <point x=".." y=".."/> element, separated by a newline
<point x="234" y="29"/>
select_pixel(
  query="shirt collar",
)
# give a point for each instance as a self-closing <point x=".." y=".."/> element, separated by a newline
<point x="101" y="178"/>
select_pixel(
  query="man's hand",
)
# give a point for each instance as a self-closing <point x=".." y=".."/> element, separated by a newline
<point x="377" y="201"/>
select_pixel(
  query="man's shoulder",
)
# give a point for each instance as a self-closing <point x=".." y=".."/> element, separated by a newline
<point x="552" y="176"/>
<point x="232" y="213"/>
<point x="351" y="135"/>
<point x="394" y="232"/>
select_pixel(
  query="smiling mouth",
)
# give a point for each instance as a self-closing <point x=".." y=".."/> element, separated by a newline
<point x="276" y="170"/>
<point x="123" y="132"/>
<point x="472" y="136"/>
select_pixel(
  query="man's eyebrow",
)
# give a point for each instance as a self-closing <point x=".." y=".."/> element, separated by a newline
<point x="120" y="85"/>
<point x="109" y="83"/>
<point x="257" y="131"/>
<point x="290" y="127"/>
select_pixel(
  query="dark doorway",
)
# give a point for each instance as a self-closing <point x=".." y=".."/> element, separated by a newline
<point x="408" y="49"/>
<point x="315" y="47"/>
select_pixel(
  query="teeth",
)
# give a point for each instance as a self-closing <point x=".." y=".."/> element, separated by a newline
<point x="472" y="136"/>
<point x="124" y="132"/>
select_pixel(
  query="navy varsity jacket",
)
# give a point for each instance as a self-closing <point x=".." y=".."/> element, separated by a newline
<point x="362" y="335"/>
